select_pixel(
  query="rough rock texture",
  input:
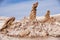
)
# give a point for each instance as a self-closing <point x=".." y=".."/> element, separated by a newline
<point x="47" y="15"/>
<point x="4" y="37"/>
<point x="5" y="21"/>
<point x="33" y="29"/>
<point x="48" y="18"/>
<point x="27" y="28"/>
<point x="33" y="11"/>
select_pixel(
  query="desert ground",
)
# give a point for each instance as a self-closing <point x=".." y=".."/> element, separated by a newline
<point x="5" y="37"/>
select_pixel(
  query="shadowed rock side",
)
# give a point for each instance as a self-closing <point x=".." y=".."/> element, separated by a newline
<point x="33" y="11"/>
<point x="5" y="21"/>
<point x="47" y="15"/>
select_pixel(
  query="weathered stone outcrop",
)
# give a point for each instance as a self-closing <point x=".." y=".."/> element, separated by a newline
<point x="48" y="18"/>
<point x="33" y="11"/>
<point x="31" y="27"/>
<point x="6" y="21"/>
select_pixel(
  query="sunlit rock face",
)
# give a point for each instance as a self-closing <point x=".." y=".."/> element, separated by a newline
<point x="33" y="11"/>
<point x="5" y="21"/>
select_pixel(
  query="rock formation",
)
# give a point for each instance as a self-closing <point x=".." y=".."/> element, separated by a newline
<point x="48" y="18"/>
<point x="33" y="11"/>
<point x="5" y="21"/>
<point x="47" y="15"/>
<point x="30" y="27"/>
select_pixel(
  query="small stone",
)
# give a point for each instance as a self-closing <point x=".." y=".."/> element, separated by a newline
<point x="24" y="33"/>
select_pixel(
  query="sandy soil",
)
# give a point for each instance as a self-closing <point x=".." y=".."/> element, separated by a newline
<point x="4" y="37"/>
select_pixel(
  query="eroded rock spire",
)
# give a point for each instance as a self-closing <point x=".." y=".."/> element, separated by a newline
<point x="33" y="11"/>
<point x="48" y="18"/>
<point x="47" y="15"/>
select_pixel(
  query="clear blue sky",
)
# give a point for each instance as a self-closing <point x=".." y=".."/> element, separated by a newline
<point x="21" y="8"/>
<point x="7" y="2"/>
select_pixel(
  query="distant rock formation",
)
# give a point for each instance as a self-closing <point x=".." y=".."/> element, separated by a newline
<point x="33" y="11"/>
<point x="47" y="15"/>
<point x="48" y="18"/>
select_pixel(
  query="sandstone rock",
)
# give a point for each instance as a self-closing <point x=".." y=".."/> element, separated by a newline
<point x="24" y="33"/>
<point x="54" y="30"/>
<point x="15" y="25"/>
<point x="6" y="21"/>
<point x="48" y="19"/>
<point x="10" y="20"/>
<point x="33" y="11"/>
<point x="47" y="15"/>
<point x="32" y="33"/>
<point x="43" y="33"/>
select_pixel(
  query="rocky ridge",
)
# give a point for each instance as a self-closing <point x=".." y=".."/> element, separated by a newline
<point x="31" y="26"/>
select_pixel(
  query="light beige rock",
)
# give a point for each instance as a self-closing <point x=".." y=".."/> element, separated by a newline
<point x="43" y="33"/>
<point x="24" y="33"/>
<point x="47" y="18"/>
<point x="15" y="25"/>
<point x="54" y="30"/>
<point x="32" y="33"/>
<point x="6" y="21"/>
